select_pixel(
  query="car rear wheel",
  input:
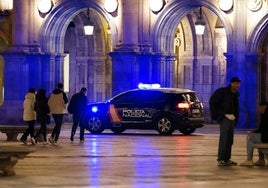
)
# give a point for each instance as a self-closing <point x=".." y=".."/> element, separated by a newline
<point x="187" y="131"/>
<point x="95" y="125"/>
<point x="118" y="130"/>
<point x="164" y="125"/>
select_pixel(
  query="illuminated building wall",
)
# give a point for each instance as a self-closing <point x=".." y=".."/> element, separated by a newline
<point x="133" y="43"/>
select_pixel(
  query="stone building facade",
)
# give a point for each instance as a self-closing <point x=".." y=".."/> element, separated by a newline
<point x="134" y="44"/>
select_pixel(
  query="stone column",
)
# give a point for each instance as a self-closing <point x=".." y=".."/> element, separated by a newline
<point x="125" y="55"/>
<point x="129" y="24"/>
<point x="24" y="65"/>
<point x="238" y="64"/>
<point x="20" y="22"/>
<point x="251" y="90"/>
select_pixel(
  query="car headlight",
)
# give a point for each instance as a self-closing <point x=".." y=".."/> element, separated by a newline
<point x="94" y="109"/>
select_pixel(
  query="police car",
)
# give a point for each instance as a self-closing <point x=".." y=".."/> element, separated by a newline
<point x="161" y="109"/>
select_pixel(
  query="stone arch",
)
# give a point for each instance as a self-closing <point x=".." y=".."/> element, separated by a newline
<point x="200" y="72"/>
<point x="256" y="35"/>
<point x="258" y="48"/>
<point x="91" y="67"/>
<point x="166" y="25"/>
<point x="54" y="27"/>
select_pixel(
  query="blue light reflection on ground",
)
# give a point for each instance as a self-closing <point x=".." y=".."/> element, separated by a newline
<point x="141" y="158"/>
<point x="147" y="164"/>
<point x="94" y="163"/>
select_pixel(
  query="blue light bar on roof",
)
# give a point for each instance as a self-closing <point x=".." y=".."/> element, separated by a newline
<point x="148" y="86"/>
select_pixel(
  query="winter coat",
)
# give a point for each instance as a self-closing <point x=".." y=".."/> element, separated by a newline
<point x="57" y="102"/>
<point x="78" y="104"/>
<point x="224" y="101"/>
<point x="42" y="110"/>
<point x="28" y="107"/>
<point x="263" y="126"/>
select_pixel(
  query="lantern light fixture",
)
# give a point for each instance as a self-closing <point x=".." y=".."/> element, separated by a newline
<point x="44" y="6"/>
<point x="5" y="7"/>
<point x="200" y="24"/>
<point x="88" y="26"/>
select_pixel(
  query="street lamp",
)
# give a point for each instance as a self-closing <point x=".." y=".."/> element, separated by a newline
<point x="200" y="24"/>
<point x="88" y="26"/>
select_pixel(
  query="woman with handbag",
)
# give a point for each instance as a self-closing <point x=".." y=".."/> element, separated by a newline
<point x="42" y="113"/>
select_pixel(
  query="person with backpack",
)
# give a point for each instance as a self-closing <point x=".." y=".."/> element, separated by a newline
<point x="77" y="107"/>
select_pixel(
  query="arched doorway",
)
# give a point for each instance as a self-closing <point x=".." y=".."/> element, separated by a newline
<point x="89" y="64"/>
<point x="200" y="64"/>
<point x="258" y="46"/>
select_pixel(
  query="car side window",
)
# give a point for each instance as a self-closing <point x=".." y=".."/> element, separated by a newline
<point x="138" y="96"/>
<point x="128" y="98"/>
<point x="151" y="96"/>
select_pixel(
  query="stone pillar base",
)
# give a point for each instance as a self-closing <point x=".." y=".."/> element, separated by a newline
<point x="11" y="112"/>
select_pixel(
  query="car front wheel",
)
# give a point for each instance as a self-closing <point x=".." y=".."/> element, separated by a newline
<point x="95" y="125"/>
<point x="164" y="125"/>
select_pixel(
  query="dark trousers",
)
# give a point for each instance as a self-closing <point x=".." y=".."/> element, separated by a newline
<point x="58" y="118"/>
<point x="29" y="130"/>
<point x="226" y="139"/>
<point x="78" y="119"/>
<point x="43" y="131"/>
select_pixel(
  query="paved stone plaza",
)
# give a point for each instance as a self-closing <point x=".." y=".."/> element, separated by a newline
<point x="134" y="159"/>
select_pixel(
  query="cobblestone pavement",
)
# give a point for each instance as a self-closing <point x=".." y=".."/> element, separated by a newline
<point x="134" y="159"/>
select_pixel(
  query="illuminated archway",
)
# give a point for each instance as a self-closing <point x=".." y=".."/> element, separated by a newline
<point x="91" y="59"/>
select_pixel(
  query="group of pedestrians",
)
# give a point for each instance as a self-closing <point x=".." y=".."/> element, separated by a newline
<point x="38" y="107"/>
<point x="224" y="107"/>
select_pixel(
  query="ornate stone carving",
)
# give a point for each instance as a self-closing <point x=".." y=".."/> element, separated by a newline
<point x="254" y="5"/>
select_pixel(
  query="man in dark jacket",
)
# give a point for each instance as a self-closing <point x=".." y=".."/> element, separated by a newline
<point x="224" y="107"/>
<point x="260" y="135"/>
<point x="77" y="107"/>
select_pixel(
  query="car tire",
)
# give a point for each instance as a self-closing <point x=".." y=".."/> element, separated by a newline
<point x="187" y="131"/>
<point x="164" y="124"/>
<point x="95" y="125"/>
<point x="118" y="130"/>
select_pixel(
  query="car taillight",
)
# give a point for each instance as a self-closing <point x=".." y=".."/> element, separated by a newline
<point x="183" y="105"/>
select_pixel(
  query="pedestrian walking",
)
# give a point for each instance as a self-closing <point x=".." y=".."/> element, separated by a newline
<point x="42" y="114"/>
<point x="57" y="102"/>
<point x="224" y="107"/>
<point x="29" y="115"/>
<point x="77" y="107"/>
<point x="260" y="135"/>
